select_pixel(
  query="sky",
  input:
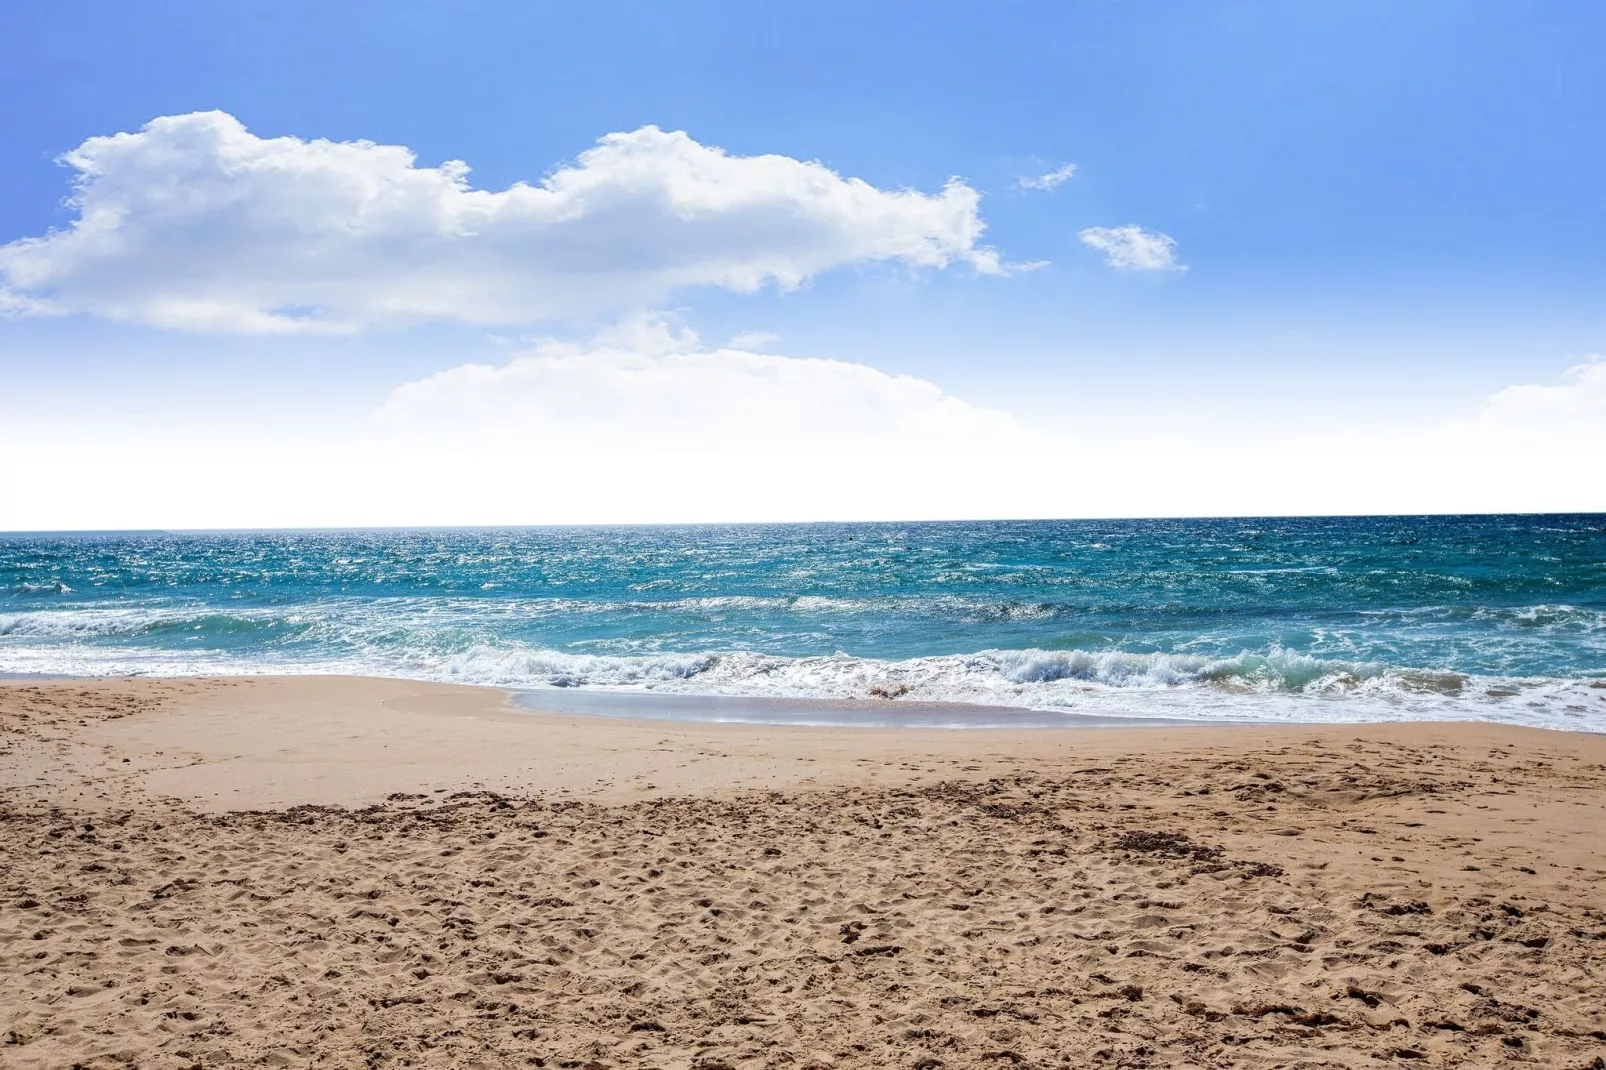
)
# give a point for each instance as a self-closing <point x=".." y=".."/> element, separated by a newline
<point x="360" y="264"/>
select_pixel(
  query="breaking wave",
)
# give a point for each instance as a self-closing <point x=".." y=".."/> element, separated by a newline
<point x="1276" y="685"/>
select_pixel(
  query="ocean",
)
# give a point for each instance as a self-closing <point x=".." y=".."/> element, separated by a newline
<point x="1497" y="618"/>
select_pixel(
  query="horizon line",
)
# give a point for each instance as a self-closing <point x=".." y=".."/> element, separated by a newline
<point x="380" y="528"/>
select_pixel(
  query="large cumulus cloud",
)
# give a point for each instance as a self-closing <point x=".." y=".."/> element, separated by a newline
<point x="194" y="222"/>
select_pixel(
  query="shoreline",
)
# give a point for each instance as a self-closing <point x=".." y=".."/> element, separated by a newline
<point x="615" y="703"/>
<point x="306" y="871"/>
<point x="610" y="703"/>
<point x="249" y="742"/>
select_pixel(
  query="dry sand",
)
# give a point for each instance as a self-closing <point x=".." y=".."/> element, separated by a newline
<point x="337" y="872"/>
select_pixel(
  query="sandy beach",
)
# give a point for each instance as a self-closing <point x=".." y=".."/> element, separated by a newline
<point x="316" y="871"/>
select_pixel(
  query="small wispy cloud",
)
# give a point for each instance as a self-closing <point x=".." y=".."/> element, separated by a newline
<point x="1131" y="248"/>
<point x="753" y="341"/>
<point x="1053" y="180"/>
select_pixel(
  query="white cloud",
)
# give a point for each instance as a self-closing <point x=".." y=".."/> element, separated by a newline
<point x="1131" y="248"/>
<point x="647" y="386"/>
<point x="196" y="223"/>
<point x="1050" y="181"/>
<point x="1578" y="402"/>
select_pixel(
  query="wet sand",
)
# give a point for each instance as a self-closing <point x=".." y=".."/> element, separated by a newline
<point x="349" y="872"/>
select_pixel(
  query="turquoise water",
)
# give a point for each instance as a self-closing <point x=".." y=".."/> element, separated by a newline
<point x="1335" y="619"/>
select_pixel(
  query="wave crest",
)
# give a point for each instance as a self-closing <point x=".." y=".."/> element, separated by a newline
<point x="552" y="668"/>
<point x="1042" y="679"/>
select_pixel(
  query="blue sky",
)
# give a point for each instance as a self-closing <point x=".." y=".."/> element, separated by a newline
<point x="1387" y="214"/>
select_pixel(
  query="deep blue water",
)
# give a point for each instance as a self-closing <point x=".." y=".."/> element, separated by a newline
<point x="1306" y="619"/>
